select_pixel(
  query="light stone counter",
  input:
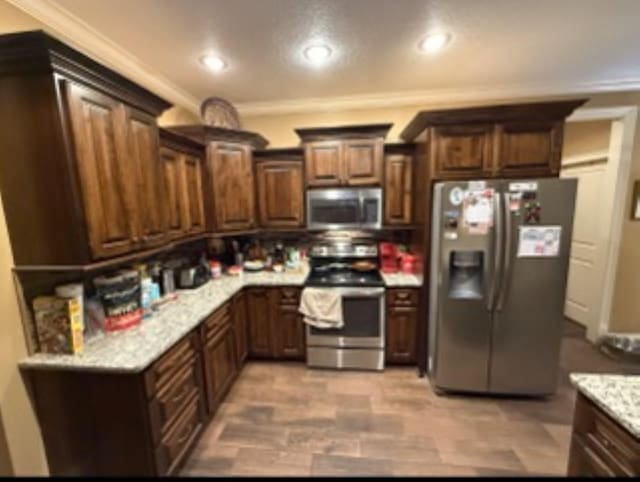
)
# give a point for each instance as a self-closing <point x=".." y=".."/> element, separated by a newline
<point x="617" y="395"/>
<point x="134" y="349"/>
<point x="397" y="280"/>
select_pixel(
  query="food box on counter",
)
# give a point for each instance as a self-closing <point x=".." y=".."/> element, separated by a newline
<point x="58" y="325"/>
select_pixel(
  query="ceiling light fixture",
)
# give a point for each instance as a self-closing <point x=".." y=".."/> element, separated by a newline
<point x="317" y="54"/>
<point x="213" y="63"/>
<point x="433" y="43"/>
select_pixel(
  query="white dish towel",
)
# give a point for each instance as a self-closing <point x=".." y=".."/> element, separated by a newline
<point x="321" y="307"/>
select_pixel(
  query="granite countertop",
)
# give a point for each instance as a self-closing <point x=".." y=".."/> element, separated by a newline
<point x="617" y="395"/>
<point x="134" y="349"/>
<point x="401" y="279"/>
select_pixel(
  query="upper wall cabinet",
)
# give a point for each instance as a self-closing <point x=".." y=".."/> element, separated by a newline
<point x="81" y="177"/>
<point x="182" y="162"/>
<point x="519" y="140"/>
<point x="280" y="189"/>
<point x="228" y="179"/>
<point x="344" y="156"/>
<point x="398" y="188"/>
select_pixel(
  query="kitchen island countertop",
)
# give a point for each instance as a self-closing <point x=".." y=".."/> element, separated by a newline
<point x="617" y="395"/>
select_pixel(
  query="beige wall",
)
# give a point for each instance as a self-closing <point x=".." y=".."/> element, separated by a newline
<point x="177" y="115"/>
<point x="21" y="429"/>
<point x="584" y="138"/>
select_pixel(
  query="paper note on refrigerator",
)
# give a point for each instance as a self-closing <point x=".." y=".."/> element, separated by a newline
<point x="539" y="241"/>
<point x="477" y="209"/>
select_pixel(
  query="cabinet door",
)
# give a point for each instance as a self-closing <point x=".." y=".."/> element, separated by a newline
<point x="280" y="194"/>
<point x="220" y="366"/>
<point x="259" y="309"/>
<point x="398" y="189"/>
<point x="323" y="163"/>
<point x="173" y="189"/>
<point x="193" y="202"/>
<point x="461" y="151"/>
<point x="240" y="327"/>
<point x="363" y="162"/>
<point x="106" y="174"/>
<point x="232" y="186"/>
<point x="528" y="149"/>
<point x="288" y="330"/>
<point x="401" y="334"/>
<point x="144" y="152"/>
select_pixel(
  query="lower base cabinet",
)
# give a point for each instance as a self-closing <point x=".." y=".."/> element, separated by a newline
<point x="600" y="447"/>
<point x="276" y="329"/>
<point x="220" y="366"/>
<point x="401" y="326"/>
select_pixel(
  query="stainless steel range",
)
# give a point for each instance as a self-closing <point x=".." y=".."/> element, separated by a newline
<point x="342" y="266"/>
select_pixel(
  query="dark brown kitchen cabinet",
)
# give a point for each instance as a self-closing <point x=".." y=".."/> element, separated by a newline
<point x="182" y="161"/>
<point x="219" y="365"/>
<point x="122" y="423"/>
<point x="288" y="327"/>
<point x="528" y="148"/>
<point x="323" y="161"/>
<point x="105" y="172"/>
<point x="260" y="313"/>
<point x="83" y="171"/>
<point x="231" y="182"/>
<point x="149" y="185"/>
<point x="280" y="191"/>
<point x="344" y="156"/>
<point x="462" y="151"/>
<point x="600" y="446"/>
<point x="398" y="189"/>
<point x="173" y="187"/>
<point x="513" y="141"/>
<point x="193" y="193"/>
<point x="362" y="164"/>
<point x="240" y="327"/>
<point x="276" y="329"/>
<point x="401" y="325"/>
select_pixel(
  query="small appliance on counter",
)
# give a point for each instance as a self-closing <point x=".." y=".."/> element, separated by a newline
<point x="191" y="277"/>
<point x="388" y="258"/>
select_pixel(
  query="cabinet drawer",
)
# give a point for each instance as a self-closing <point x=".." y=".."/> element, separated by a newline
<point x="402" y="297"/>
<point x="584" y="462"/>
<point x="175" y="444"/>
<point x="216" y="321"/>
<point x="165" y="408"/>
<point x="164" y="370"/>
<point x="289" y="296"/>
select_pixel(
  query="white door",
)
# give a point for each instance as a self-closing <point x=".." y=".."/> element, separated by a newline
<point x="597" y="172"/>
<point x="584" y="284"/>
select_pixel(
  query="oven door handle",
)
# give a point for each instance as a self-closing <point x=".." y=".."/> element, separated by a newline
<point x="365" y="292"/>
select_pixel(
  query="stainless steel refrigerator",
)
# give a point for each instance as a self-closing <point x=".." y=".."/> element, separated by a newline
<point x="499" y="260"/>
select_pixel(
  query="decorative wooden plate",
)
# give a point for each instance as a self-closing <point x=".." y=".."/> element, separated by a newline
<point x="217" y="112"/>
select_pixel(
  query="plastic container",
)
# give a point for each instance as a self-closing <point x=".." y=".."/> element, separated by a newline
<point x="408" y="263"/>
<point x="73" y="291"/>
<point x="120" y="298"/>
<point x="216" y="269"/>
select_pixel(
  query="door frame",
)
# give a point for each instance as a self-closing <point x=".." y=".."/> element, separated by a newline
<point x="623" y="126"/>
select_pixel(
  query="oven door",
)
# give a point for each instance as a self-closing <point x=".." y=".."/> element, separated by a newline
<point x="333" y="209"/>
<point x="364" y="321"/>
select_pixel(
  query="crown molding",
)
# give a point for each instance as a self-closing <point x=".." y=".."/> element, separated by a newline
<point x="433" y="98"/>
<point x="86" y="39"/>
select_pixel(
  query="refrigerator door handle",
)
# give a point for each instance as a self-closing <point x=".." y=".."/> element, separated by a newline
<point x="497" y="239"/>
<point x="506" y="254"/>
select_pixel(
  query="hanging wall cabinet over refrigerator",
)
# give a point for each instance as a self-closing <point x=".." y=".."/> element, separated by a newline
<point x="500" y="252"/>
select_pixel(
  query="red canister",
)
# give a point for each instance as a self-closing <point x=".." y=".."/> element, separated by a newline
<point x="408" y="263"/>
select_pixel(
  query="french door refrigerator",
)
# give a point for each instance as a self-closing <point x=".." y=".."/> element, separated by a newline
<point x="499" y="260"/>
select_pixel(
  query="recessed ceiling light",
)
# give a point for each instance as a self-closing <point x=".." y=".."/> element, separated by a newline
<point x="434" y="42"/>
<point x="317" y="54"/>
<point x="213" y="63"/>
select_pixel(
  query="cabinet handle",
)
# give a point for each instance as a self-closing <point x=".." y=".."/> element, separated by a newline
<point x="402" y="294"/>
<point x="185" y="434"/>
<point x="180" y="396"/>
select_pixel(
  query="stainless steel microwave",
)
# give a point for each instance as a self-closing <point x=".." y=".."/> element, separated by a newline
<point x="344" y="208"/>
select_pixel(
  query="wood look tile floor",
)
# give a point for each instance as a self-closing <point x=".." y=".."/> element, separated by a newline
<point x="283" y="419"/>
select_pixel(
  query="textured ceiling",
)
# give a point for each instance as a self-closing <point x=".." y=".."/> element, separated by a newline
<point x="495" y="42"/>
